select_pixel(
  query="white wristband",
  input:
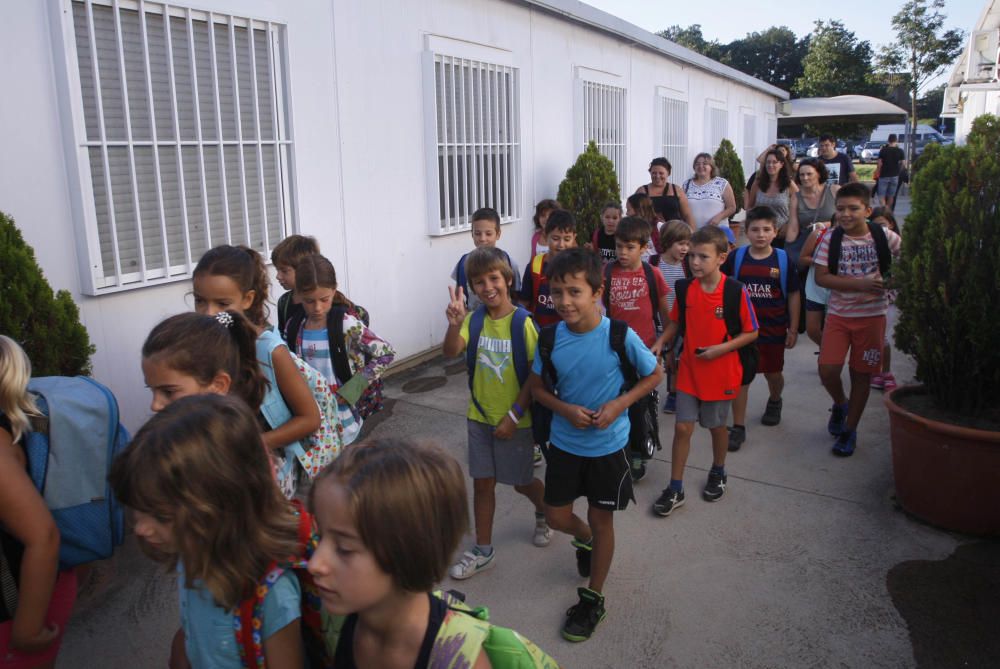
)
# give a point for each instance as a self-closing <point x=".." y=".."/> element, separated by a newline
<point x="510" y="414"/>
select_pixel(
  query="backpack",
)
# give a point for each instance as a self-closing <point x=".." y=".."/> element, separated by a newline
<point x="462" y="280"/>
<point x="654" y="295"/>
<point x="371" y="400"/>
<point x="644" y="433"/>
<point x="317" y="626"/>
<point x="70" y="449"/>
<point x="466" y="632"/>
<point x="741" y="254"/>
<point x="537" y="278"/>
<point x="881" y="248"/>
<point x="732" y="294"/>
<point x="519" y="349"/>
<point x="323" y="445"/>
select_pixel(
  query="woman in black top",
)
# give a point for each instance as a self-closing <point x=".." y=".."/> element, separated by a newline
<point x="669" y="201"/>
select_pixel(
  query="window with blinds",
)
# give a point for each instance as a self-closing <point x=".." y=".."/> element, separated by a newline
<point x="477" y="133"/>
<point x="718" y="126"/>
<point x="185" y="135"/>
<point x="603" y="115"/>
<point x="673" y="132"/>
<point x="749" y="144"/>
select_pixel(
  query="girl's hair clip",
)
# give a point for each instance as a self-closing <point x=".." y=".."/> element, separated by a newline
<point x="225" y="318"/>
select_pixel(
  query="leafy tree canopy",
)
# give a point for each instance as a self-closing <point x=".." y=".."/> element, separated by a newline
<point x="837" y="63"/>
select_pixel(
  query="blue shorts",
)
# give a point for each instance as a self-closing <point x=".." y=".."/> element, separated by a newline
<point x="887" y="186"/>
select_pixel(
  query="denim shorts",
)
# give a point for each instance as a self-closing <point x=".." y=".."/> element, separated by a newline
<point x="887" y="186"/>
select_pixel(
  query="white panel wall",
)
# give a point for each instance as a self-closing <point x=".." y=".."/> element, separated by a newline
<point x="358" y="128"/>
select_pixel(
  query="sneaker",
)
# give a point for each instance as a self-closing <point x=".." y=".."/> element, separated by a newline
<point x="472" y="563"/>
<point x="888" y="382"/>
<point x="543" y="533"/>
<point x="583" y="618"/>
<point x="583" y="552"/>
<point x="670" y="404"/>
<point x="638" y="470"/>
<point x="845" y="444"/>
<point x="668" y="500"/>
<point x="538" y="456"/>
<point x="737" y="435"/>
<point x="715" y="488"/>
<point x="878" y="381"/>
<point x="772" y="413"/>
<point x="838" y="416"/>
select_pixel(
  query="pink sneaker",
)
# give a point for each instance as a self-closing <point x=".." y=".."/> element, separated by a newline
<point x="878" y="381"/>
<point x="888" y="381"/>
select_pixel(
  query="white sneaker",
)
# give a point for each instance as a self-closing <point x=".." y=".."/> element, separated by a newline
<point x="472" y="563"/>
<point x="537" y="456"/>
<point x="543" y="534"/>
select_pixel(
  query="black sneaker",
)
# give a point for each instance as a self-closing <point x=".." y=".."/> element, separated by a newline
<point x="583" y="618"/>
<point x="737" y="435"/>
<point x="668" y="500"/>
<point x="715" y="488"/>
<point x="638" y="470"/>
<point x="583" y="552"/>
<point x="772" y="414"/>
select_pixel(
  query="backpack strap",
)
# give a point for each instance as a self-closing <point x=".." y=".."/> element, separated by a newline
<point x="654" y="293"/>
<point x="338" y="344"/>
<point x="881" y="247"/>
<point x="619" y="331"/>
<point x="546" y="343"/>
<point x="732" y="294"/>
<point x="741" y="254"/>
<point x="783" y="272"/>
<point x="680" y="299"/>
<point x="833" y="253"/>
<point x="461" y="281"/>
<point x="476" y="322"/>
<point x="519" y="348"/>
<point x="292" y="330"/>
<point x="606" y="297"/>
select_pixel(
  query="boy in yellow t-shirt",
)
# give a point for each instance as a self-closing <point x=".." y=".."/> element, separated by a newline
<point x="499" y="339"/>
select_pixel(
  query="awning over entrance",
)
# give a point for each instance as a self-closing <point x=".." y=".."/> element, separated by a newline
<point x="839" y="109"/>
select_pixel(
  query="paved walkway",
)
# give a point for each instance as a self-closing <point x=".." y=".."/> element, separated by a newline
<point x="789" y="569"/>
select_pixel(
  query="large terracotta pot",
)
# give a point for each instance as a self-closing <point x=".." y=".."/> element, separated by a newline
<point x="946" y="475"/>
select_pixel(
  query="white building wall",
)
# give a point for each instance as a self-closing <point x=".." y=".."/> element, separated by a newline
<point x="357" y="111"/>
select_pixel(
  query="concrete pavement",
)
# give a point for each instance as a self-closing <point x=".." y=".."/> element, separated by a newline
<point x="789" y="569"/>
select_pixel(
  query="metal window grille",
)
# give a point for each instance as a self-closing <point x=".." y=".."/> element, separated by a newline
<point x="718" y="126"/>
<point x="186" y="136"/>
<point x="749" y="145"/>
<point x="604" y="122"/>
<point x="478" y="141"/>
<point x="674" y="133"/>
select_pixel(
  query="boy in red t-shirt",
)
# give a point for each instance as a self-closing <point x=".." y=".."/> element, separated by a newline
<point x="560" y="234"/>
<point x="710" y="372"/>
<point x="635" y="292"/>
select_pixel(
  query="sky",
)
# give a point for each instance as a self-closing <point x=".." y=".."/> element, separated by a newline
<point x="868" y="19"/>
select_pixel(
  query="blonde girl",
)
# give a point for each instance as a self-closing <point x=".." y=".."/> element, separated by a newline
<point x="37" y="597"/>
<point x="198" y="481"/>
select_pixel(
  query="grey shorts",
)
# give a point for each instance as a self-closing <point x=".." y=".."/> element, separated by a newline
<point x="887" y="186"/>
<point x="509" y="461"/>
<point x="708" y="414"/>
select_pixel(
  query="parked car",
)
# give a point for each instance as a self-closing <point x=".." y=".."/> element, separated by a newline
<point x="869" y="154"/>
<point x="813" y="151"/>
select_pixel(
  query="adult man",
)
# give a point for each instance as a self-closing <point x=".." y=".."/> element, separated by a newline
<point x="891" y="161"/>
<point x="839" y="166"/>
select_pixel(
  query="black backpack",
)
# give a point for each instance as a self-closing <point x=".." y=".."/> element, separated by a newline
<point x="732" y="294"/>
<point x="881" y="248"/>
<point x="644" y="429"/>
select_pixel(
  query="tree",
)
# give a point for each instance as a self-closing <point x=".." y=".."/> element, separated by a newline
<point x="46" y="325"/>
<point x="731" y="169"/>
<point x="692" y="38"/>
<point x="922" y="48"/>
<point x="837" y="63"/>
<point x="589" y="184"/>
<point x="775" y="56"/>
<point x="929" y="104"/>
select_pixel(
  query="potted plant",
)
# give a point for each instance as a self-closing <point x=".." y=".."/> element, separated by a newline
<point x="946" y="432"/>
<point x="590" y="184"/>
<point x="731" y="169"/>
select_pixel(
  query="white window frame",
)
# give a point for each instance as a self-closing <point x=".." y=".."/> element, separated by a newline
<point x="748" y="152"/>
<point x="672" y="116"/>
<point x="715" y="110"/>
<point x="479" y="169"/>
<point x="611" y="112"/>
<point x="95" y="280"/>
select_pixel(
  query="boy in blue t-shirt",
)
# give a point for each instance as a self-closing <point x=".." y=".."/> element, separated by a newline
<point x="590" y="427"/>
<point x="775" y="300"/>
<point x="485" y="234"/>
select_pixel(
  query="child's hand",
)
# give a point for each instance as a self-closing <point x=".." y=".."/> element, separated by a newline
<point x="708" y="352"/>
<point x="36" y="642"/>
<point x="580" y="417"/>
<point x="456" y="306"/>
<point x="656" y="348"/>
<point x="608" y="413"/>
<point x="790" y="338"/>
<point x="871" y="284"/>
<point x="505" y="430"/>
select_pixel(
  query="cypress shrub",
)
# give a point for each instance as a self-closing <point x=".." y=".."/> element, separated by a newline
<point x="948" y="275"/>
<point x="46" y="324"/>
<point x="731" y="169"/>
<point x="590" y="184"/>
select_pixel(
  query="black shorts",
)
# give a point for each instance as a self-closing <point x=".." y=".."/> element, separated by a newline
<point x="605" y="481"/>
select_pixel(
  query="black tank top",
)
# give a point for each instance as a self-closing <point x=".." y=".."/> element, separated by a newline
<point x="344" y="655"/>
<point x="666" y="205"/>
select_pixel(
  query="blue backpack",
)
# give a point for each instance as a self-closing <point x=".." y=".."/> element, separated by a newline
<point x="741" y="254"/>
<point x="70" y="449"/>
<point x="519" y="350"/>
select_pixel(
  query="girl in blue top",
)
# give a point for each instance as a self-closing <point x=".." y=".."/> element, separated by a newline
<point x="199" y="483"/>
